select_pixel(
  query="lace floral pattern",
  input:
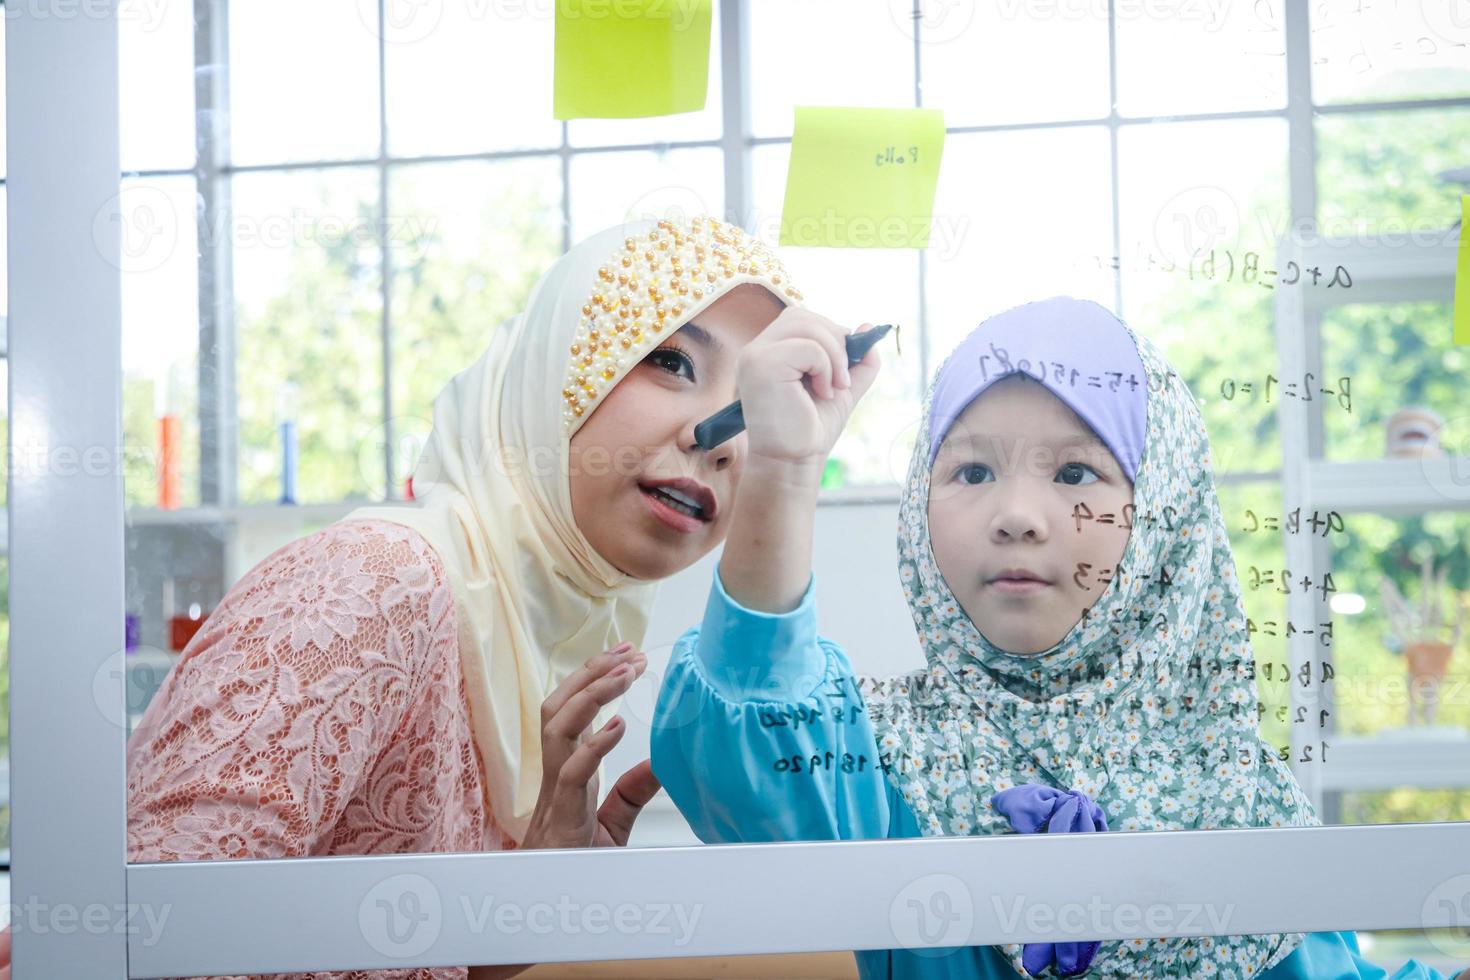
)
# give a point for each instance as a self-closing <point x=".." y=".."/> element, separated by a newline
<point x="320" y="710"/>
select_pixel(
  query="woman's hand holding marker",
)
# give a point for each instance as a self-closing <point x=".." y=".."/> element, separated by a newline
<point x="797" y="392"/>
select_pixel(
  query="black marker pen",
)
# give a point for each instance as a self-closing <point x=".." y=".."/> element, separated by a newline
<point x="729" y="421"/>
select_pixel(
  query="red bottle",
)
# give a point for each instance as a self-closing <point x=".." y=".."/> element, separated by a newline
<point x="183" y="624"/>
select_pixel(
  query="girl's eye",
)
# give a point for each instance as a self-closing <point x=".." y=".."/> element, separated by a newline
<point x="977" y="470"/>
<point x="672" y="359"/>
<point x="1075" y="469"/>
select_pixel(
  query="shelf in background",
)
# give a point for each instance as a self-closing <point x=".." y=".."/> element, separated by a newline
<point x="1389" y="486"/>
<point x="1385" y="269"/>
<point x="1392" y="269"/>
<point x="1384" y="762"/>
<point x="248" y="513"/>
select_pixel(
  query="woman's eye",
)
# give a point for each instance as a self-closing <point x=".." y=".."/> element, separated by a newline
<point x="1076" y="469"/>
<point x="672" y="361"/>
<point x="976" y="470"/>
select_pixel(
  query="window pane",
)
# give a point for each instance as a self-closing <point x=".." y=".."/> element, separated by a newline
<point x="706" y="124"/>
<point x="1398" y="356"/>
<point x="1188" y="190"/>
<point x="2" y="98"/>
<point x="1377" y="172"/>
<point x="1263" y="549"/>
<point x="5" y="710"/>
<point x="1201" y="58"/>
<point x="303" y="81"/>
<point x="1018" y="217"/>
<point x="156" y="85"/>
<point x="1377" y="679"/>
<point x="985" y="65"/>
<point x="608" y="188"/>
<point x="1407" y="805"/>
<point x="1369" y="689"/>
<point x="160" y="334"/>
<point x="308" y="302"/>
<point x="5" y="444"/>
<point x="4" y="252"/>
<point x="852" y="286"/>
<point x="470" y="241"/>
<point x="4" y="362"/>
<point x="498" y="55"/>
<point x="827" y="52"/>
<point x="1378" y="51"/>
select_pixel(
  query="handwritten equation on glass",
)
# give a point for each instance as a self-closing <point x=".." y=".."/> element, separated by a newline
<point x="1207" y="266"/>
<point x="842" y="708"/>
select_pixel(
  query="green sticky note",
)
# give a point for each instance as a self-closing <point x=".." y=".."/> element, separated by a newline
<point x="622" y="59"/>
<point x="1462" y="276"/>
<point x="862" y="178"/>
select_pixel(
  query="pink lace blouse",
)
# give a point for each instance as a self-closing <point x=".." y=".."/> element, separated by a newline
<point x="320" y="710"/>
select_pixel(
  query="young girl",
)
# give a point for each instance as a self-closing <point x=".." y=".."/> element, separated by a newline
<point x="380" y="686"/>
<point x="1088" y="666"/>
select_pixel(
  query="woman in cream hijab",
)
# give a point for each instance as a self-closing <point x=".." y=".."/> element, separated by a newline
<point x="499" y="480"/>
<point x="408" y="679"/>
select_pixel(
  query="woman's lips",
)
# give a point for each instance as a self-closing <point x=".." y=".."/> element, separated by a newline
<point x="1018" y="586"/>
<point x="671" y="517"/>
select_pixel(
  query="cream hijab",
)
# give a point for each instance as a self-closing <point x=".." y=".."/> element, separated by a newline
<point x="533" y="600"/>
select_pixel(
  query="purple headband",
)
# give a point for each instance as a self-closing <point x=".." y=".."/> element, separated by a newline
<point x="1077" y="348"/>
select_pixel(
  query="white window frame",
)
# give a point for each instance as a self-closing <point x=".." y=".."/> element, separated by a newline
<point x="225" y="917"/>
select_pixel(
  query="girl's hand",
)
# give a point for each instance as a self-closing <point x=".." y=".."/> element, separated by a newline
<point x="566" y="813"/>
<point x="796" y="389"/>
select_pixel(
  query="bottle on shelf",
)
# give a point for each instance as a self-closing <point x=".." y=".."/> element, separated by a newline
<point x="168" y="462"/>
<point x="286" y="413"/>
<point x="145" y="668"/>
<point x="165" y="408"/>
<point x="184" y="613"/>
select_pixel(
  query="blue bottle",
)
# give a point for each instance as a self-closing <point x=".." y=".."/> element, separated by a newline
<point x="286" y="409"/>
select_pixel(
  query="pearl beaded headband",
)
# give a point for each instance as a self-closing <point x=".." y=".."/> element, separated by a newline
<point x="655" y="283"/>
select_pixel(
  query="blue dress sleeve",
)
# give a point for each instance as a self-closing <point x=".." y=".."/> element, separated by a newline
<point x="1335" y="956"/>
<point x="760" y="734"/>
<point x="750" y="701"/>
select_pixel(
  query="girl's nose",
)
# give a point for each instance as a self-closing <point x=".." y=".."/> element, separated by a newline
<point x="1018" y="515"/>
<point x="1020" y="529"/>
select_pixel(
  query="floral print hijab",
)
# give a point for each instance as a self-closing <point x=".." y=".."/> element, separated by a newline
<point x="1148" y="705"/>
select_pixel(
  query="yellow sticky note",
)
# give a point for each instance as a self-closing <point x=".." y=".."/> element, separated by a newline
<point x="622" y="59"/>
<point x="862" y="178"/>
<point x="1462" y="276"/>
